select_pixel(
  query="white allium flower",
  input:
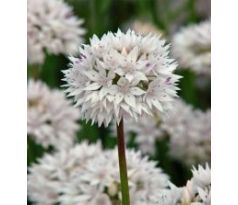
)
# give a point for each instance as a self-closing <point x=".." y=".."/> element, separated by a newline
<point x="192" y="47"/>
<point x="198" y="189"/>
<point x="100" y="181"/>
<point x="49" y="175"/>
<point x="122" y="75"/>
<point x="169" y="196"/>
<point x="202" y="176"/>
<point x="177" y="118"/>
<point x="190" y="133"/>
<point x="51" y="26"/>
<point x="196" y="192"/>
<point x="51" y="118"/>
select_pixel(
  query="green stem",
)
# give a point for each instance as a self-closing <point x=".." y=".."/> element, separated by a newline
<point x="122" y="164"/>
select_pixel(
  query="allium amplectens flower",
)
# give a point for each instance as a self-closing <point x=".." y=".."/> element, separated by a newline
<point x="196" y="192"/>
<point x="51" y="26"/>
<point x="192" y="48"/>
<point x="86" y="175"/>
<point x="188" y="129"/>
<point x="53" y="171"/>
<point x="100" y="181"/>
<point x="198" y="189"/>
<point x="51" y="119"/>
<point x="122" y="75"/>
<point x="190" y="133"/>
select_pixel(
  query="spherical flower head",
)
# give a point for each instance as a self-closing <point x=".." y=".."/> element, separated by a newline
<point x="192" y="47"/>
<point x="189" y="131"/>
<point x="196" y="192"/>
<point x="169" y="196"/>
<point x="49" y="175"/>
<point x="178" y="117"/>
<point x="198" y="189"/>
<point x="122" y="75"/>
<point x="202" y="175"/>
<point x="100" y="181"/>
<point x="51" y="26"/>
<point x="51" y="118"/>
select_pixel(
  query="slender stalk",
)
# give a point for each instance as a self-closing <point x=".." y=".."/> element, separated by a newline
<point x="122" y="164"/>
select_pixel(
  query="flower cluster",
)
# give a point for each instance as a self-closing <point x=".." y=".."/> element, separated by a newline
<point x="128" y="79"/>
<point x="102" y="178"/>
<point x="51" y="119"/>
<point x="51" y="27"/>
<point x="198" y="189"/>
<point x="192" y="47"/>
<point x="190" y="133"/>
<point x="53" y="171"/>
<point x="87" y="175"/>
<point x="122" y="75"/>
<point x="196" y="192"/>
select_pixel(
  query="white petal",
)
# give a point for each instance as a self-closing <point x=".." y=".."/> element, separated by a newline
<point x="141" y="76"/>
<point x="126" y="108"/>
<point x="157" y="104"/>
<point x="92" y="75"/>
<point x="102" y="93"/>
<point x="93" y="86"/>
<point x="130" y="100"/>
<point x="111" y="74"/>
<point x="118" y="98"/>
<point x="110" y="98"/>
<point x="137" y="91"/>
<point x="129" y="77"/>
<point x="76" y="92"/>
<point x="113" y="89"/>
<point x="122" y="81"/>
<point x="133" y="55"/>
